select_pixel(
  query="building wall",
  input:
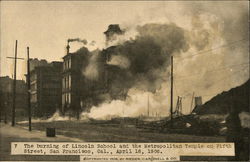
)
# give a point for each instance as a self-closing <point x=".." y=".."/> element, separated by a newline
<point x="36" y="63"/>
<point x="71" y="78"/>
<point x="6" y="98"/>
<point x="46" y="87"/>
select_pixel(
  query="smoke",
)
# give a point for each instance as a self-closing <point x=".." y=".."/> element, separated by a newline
<point x="91" y="71"/>
<point x="119" y="61"/>
<point x="146" y="57"/>
<point x="57" y="117"/>
<point x="201" y="43"/>
<point x="137" y="69"/>
<point x="92" y="43"/>
<point x="127" y="33"/>
<point x="135" y="105"/>
<point x="84" y="41"/>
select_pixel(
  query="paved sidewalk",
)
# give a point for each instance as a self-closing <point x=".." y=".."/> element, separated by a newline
<point x="10" y="134"/>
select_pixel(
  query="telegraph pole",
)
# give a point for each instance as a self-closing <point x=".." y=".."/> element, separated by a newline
<point x="28" y="86"/>
<point x="171" y="95"/>
<point x="14" y="86"/>
<point x="192" y="100"/>
<point x="14" y="89"/>
<point x="148" y="105"/>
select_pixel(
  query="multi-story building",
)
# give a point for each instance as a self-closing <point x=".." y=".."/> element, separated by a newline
<point x="46" y="87"/>
<point x="80" y="93"/>
<point x="72" y="80"/>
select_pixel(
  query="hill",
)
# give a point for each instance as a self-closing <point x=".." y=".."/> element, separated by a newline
<point x="236" y="98"/>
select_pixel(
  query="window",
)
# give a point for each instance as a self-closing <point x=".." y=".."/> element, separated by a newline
<point x="33" y="98"/>
<point x="69" y="63"/>
<point x="69" y="81"/>
<point x="63" y="83"/>
<point x="63" y="99"/>
<point x="33" y="87"/>
<point x="69" y="95"/>
<point x="66" y="82"/>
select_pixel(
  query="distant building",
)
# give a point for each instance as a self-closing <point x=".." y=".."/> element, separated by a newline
<point x="46" y="87"/>
<point x="6" y="98"/>
<point x="36" y="63"/>
<point x="198" y="101"/>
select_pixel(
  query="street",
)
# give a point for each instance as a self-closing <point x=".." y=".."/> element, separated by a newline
<point x="79" y="131"/>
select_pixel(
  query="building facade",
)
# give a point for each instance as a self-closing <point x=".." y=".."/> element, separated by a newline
<point x="46" y="89"/>
<point x="72" y="81"/>
<point x="79" y="92"/>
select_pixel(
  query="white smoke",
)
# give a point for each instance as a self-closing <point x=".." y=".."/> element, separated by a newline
<point x="91" y="71"/>
<point x="58" y="117"/>
<point x="129" y="34"/>
<point x="138" y="103"/>
<point x="120" y="61"/>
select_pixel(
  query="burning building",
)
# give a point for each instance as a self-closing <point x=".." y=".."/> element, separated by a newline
<point x="71" y="79"/>
<point x="137" y="65"/>
<point x="80" y="82"/>
<point x="113" y="31"/>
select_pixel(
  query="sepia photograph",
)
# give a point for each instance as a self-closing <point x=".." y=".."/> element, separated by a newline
<point x="124" y="80"/>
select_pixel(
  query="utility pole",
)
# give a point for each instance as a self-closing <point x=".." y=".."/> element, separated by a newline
<point x="171" y="95"/>
<point x="28" y="86"/>
<point x="14" y="90"/>
<point x="177" y="106"/>
<point x="180" y="106"/>
<point x="14" y="86"/>
<point x="148" y="105"/>
<point x="192" y="103"/>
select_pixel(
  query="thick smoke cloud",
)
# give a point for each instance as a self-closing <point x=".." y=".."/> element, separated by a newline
<point x="92" y="70"/>
<point x="146" y="58"/>
<point x="139" y="62"/>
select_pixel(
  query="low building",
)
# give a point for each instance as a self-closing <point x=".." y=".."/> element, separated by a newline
<point x="6" y="98"/>
<point x="46" y="87"/>
<point x="36" y="63"/>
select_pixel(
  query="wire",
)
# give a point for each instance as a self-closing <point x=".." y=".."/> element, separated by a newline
<point x="213" y="70"/>
<point x="221" y="79"/>
<point x="203" y="52"/>
<point x="175" y="89"/>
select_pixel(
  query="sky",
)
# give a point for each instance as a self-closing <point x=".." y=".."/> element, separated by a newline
<point x="46" y="26"/>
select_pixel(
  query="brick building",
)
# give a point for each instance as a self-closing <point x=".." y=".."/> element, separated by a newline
<point x="72" y="80"/>
<point x="79" y="92"/>
<point x="46" y="87"/>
